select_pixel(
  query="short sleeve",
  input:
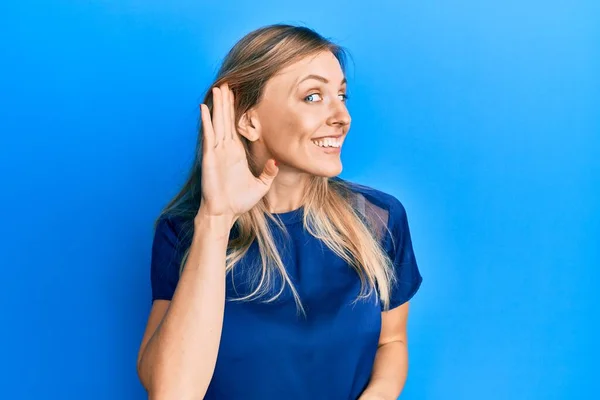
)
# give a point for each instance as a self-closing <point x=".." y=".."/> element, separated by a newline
<point x="400" y="250"/>
<point x="165" y="260"/>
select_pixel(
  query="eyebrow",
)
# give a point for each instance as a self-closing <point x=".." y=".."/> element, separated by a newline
<point x="319" y="78"/>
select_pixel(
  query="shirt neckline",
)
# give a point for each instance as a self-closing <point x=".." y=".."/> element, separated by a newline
<point x="290" y="217"/>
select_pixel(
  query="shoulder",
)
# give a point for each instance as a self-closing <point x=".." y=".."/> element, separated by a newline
<point x="377" y="200"/>
<point x="174" y="229"/>
<point x="168" y="248"/>
<point x="382" y="212"/>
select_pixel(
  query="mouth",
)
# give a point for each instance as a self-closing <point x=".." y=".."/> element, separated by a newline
<point x="330" y="144"/>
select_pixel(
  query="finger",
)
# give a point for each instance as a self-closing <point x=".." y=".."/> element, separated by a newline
<point x="217" y="116"/>
<point x="208" y="133"/>
<point x="226" y="111"/>
<point x="234" y="131"/>
<point x="269" y="173"/>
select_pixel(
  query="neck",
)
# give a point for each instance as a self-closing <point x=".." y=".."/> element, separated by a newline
<point x="287" y="190"/>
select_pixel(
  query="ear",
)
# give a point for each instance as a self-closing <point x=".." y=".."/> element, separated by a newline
<point x="248" y="126"/>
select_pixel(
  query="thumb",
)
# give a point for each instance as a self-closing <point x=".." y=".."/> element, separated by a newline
<point x="269" y="172"/>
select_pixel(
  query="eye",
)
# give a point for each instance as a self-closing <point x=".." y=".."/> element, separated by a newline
<point x="344" y="97"/>
<point x="309" y="98"/>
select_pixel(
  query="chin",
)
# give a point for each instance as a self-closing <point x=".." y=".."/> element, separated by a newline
<point x="326" y="171"/>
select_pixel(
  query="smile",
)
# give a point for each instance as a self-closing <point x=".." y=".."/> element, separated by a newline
<point x="328" y="142"/>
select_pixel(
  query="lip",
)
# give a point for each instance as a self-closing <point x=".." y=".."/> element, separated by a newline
<point x="328" y="136"/>
<point x="331" y="150"/>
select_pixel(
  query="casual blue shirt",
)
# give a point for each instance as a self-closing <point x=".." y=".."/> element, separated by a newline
<point x="269" y="350"/>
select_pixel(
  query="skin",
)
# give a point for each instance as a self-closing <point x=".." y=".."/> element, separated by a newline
<point x="293" y="110"/>
<point x="180" y="344"/>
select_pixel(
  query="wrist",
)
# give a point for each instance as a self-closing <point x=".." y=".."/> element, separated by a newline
<point x="218" y="225"/>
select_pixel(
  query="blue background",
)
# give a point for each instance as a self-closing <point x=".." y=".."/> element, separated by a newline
<point x="481" y="117"/>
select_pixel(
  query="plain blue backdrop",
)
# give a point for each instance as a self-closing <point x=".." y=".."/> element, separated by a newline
<point x="482" y="117"/>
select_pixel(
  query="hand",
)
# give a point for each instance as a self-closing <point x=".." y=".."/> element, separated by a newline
<point x="228" y="186"/>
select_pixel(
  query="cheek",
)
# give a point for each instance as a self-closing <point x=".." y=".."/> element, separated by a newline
<point x="295" y="131"/>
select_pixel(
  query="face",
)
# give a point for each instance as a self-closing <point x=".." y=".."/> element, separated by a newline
<point x="302" y="119"/>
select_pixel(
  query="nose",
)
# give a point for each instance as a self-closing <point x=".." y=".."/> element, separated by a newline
<point x="339" y="114"/>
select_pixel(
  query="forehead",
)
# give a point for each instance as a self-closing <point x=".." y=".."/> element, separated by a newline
<point x="324" y="64"/>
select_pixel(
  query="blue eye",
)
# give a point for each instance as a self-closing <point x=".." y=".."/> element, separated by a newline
<point x="344" y="97"/>
<point x="310" y="95"/>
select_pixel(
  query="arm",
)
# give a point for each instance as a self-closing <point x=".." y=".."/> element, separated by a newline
<point x="180" y="346"/>
<point x="391" y="360"/>
<point x="179" y="349"/>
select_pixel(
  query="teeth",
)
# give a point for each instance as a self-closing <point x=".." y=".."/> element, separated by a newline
<point x="328" y="142"/>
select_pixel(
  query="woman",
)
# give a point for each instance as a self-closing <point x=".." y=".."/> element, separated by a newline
<point x="271" y="277"/>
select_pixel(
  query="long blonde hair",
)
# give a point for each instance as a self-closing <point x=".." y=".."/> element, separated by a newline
<point x="329" y="214"/>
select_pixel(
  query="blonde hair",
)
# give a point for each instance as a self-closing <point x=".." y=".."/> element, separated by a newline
<point x="329" y="214"/>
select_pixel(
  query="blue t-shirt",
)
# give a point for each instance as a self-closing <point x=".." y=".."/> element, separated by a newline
<point x="268" y="350"/>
